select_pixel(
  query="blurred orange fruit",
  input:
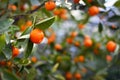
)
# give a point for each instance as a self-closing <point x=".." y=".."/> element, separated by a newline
<point x="111" y="46"/>
<point x="81" y="26"/>
<point x="76" y="1"/>
<point x="77" y="76"/>
<point x="88" y="42"/>
<point x="50" y="5"/>
<point x="93" y="10"/>
<point x="34" y="59"/>
<point x="58" y="47"/>
<point x="15" y="51"/>
<point x="81" y="58"/>
<point x="68" y="76"/>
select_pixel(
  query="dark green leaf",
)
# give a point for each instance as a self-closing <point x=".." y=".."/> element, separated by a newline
<point x="24" y="62"/>
<point x="100" y="27"/>
<point x="5" y="24"/>
<point x="117" y="4"/>
<point x="7" y="75"/>
<point x="2" y="42"/>
<point x="114" y="18"/>
<point x="8" y="51"/>
<point x="28" y="49"/>
<point x="46" y="23"/>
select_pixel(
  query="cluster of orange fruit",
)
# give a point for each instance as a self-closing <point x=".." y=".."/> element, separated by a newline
<point x="70" y="76"/>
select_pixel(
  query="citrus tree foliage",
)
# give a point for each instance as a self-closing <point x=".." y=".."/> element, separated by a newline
<point x="59" y="40"/>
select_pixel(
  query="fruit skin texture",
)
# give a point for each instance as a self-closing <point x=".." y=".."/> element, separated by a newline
<point x="36" y="36"/>
<point x="93" y="10"/>
<point x="15" y="52"/>
<point x="88" y="42"/>
<point x="77" y="76"/>
<point x="50" y="5"/>
<point x="76" y="1"/>
<point x="68" y="76"/>
<point x="111" y="46"/>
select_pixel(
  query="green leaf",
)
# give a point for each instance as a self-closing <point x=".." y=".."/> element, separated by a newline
<point x="101" y="2"/>
<point x="24" y="62"/>
<point x="55" y="67"/>
<point x="100" y="27"/>
<point x="27" y="31"/>
<point x="7" y="51"/>
<point x="7" y="75"/>
<point x="5" y="24"/>
<point x="2" y="41"/>
<point x="59" y="77"/>
<point x="46" y="23"/>
<point x="114" y="18"/>
<point x="117" y="4"/>
<point x="28" y="49"/>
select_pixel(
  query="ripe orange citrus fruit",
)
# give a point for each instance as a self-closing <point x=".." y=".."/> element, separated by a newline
<point x="34" y="59"/>
<point x="81" y="58"/>
<point x="36" y="36"/>
<point x="68" y="75"/>
<point x="77" y="76"/>
<point x="58" y="47"/>
<point x="50" y="5"/>
<point x="15" y="52"/>
<point x="93" y="10"/>
<point x="111" y="46"/>
<point x="108" y="58"/>
<point x="88" y="42"/>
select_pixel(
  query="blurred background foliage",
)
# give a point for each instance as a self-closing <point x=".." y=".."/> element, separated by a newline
<point x="75" y="46"/>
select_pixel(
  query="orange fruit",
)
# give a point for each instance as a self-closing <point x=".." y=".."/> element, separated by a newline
<point x="88" y="42"/>
<point x="68" y="76"/>
<point x="12" y="7"/>
<point x="52" y="38"/>
<point x="81" y="58"/>
<point x="15" y="52"/>
<point x="36" y="36"/>
<point x="28" y="23"/>
<point x="69" y="40"/>
<point x="64" y="16"/>
<point x="9" y="63"/>
<point x="76" y="1"/>
<point x="77" y="76"/>
<point x="23" y="27"/>
<point x="74" y="34"/>
<point x="108" y="58"/>
<point x="93" y="10"/>
<point x="77" y="43"/>
<point x="58" y="47"/>
<point x="34" y="59"/>
<point x="81" y="26"/>
<point x="57" y="12"/>
<point x="111" y="46"/>
<point x="50" y="5"/>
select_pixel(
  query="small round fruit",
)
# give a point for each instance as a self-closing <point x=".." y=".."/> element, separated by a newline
<point x="111" y="46"/>
<point x="93" y="10"/>
<point x="15" y="52"/>
<point x="50" y="5"/>
<point x="77" y="76"/>
<point x="81" y="58"/>
<point x="108" y="58"/>
<point x="36" y="36"/>
<point x="88" y="42"/>
<point x="68" y="76"/>
<point x="58" y="47"/>
<point x="34" y="59"/>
